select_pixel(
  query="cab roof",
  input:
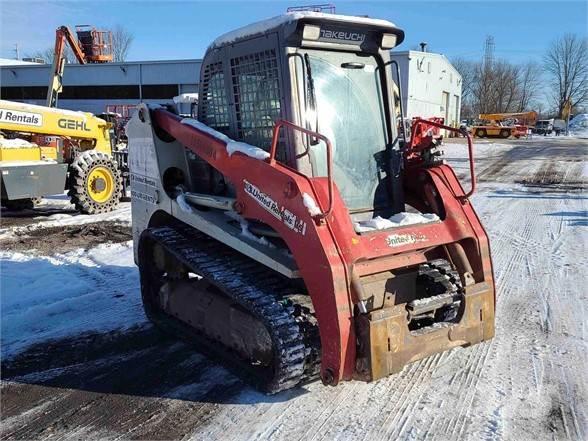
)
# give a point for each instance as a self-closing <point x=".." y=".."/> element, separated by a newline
<point x="274" y="23"/>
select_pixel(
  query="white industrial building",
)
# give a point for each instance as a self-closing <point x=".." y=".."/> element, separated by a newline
<point x="431" y="86"/>
<point x="91" y="87"/>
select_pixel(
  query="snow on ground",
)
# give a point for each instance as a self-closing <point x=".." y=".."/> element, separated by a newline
<point x="47" y="297"/>
<point x="528" y="383"/>
<point x="65" y="214"/>
<point x="579" y="126"/>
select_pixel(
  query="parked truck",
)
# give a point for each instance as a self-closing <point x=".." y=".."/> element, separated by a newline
<point x="549" y="126"/>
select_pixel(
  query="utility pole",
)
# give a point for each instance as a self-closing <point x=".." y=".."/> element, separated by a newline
<point x="489" y="52"/>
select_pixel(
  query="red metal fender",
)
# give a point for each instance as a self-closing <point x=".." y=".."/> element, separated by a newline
<point x="273" y="194"/>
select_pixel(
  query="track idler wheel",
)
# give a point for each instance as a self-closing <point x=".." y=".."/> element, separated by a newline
<point x="95" y="183"/>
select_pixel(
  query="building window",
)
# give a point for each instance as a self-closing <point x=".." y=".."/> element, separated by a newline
<point x="159" y="91"/>
<point x="76" y="92"/>
<point x="214" y="110"/>
<point x="256" y="93"/>
<point x="23" y="93"/>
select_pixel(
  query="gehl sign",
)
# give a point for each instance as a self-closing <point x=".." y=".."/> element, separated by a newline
<point x="36" y="119"/>
<point x="72" y="124"/>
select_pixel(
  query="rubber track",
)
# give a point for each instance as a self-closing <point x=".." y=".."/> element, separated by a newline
<point x="439" y="277"/>
<point x="285" y="313"/>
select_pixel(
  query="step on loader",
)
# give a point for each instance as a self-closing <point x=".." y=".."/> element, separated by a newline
<point x="289" y="230"/>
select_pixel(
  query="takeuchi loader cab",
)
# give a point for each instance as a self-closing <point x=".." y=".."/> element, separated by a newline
<point x="289" y="230"/>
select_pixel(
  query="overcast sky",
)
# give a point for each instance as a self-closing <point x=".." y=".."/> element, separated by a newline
<point x="183" y="29"/>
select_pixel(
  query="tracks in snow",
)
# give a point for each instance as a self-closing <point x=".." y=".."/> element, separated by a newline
<point x="528" y="383"/>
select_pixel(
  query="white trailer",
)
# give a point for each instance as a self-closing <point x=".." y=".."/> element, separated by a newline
<point x="431" y="86"/>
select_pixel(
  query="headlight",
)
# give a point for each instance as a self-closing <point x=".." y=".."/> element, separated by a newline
<point x="311" y="32"/>
<point x="388" y="41"/>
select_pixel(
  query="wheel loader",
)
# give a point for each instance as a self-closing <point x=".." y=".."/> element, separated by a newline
<point x="45" y="150"/>
<point x="289" y="231"/>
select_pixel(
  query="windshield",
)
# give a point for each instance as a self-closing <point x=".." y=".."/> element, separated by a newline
<point x="350" y="112"/>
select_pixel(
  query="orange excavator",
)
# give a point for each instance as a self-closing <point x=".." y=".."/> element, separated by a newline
<point x="504" y="125"/>
<point x="90" y="46"/>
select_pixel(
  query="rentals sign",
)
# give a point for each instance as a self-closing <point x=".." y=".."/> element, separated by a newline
<point x="23" y="118"/>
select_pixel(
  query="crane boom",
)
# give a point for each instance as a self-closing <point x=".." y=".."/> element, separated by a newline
<point x="527" y="116"/>
<point x="62" y="35"/>
<point x="90" y="46"/>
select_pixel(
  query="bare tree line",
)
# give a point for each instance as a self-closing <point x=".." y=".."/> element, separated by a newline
<point x="121" y="43"/>
<point x="503" y="86"/>
<point x="122" y="40"/>
<point x="566" y="64"/>
<point x="498" y="88"/>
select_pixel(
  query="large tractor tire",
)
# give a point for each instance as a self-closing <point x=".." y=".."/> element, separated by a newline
<point x="505" y="133"/>
<point x="95" y="183"/>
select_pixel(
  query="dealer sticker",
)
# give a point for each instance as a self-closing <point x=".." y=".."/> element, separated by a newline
<point x="398" y="240"/>
<point x="23" y="118"/>
<point x="286" y="216"/>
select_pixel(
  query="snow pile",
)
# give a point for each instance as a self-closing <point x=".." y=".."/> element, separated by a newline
<point x="6" y="164"/>
<point x="311" y="205"/>
<point x="398" y="220"/>
<point x="232" y="145"/>
<point x="579" y="126"/>
<point x="245" y="232"/>
<point x="247" y="149"/>
<point x="16" y="143"/>
<point x="181" y="200"/>
<point x="271" y="23"/>
<point x="53" y="297"/>
<point x="249" y="235"/>
<point x="186" y="98"/>
<point x="204" y="128"/>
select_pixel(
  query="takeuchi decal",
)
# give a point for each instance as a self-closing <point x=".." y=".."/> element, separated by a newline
<point x="356" y="37"/>
<point x="283" y="214"/>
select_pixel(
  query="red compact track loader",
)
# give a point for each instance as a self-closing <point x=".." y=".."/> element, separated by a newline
<point x="290" y="231"/>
